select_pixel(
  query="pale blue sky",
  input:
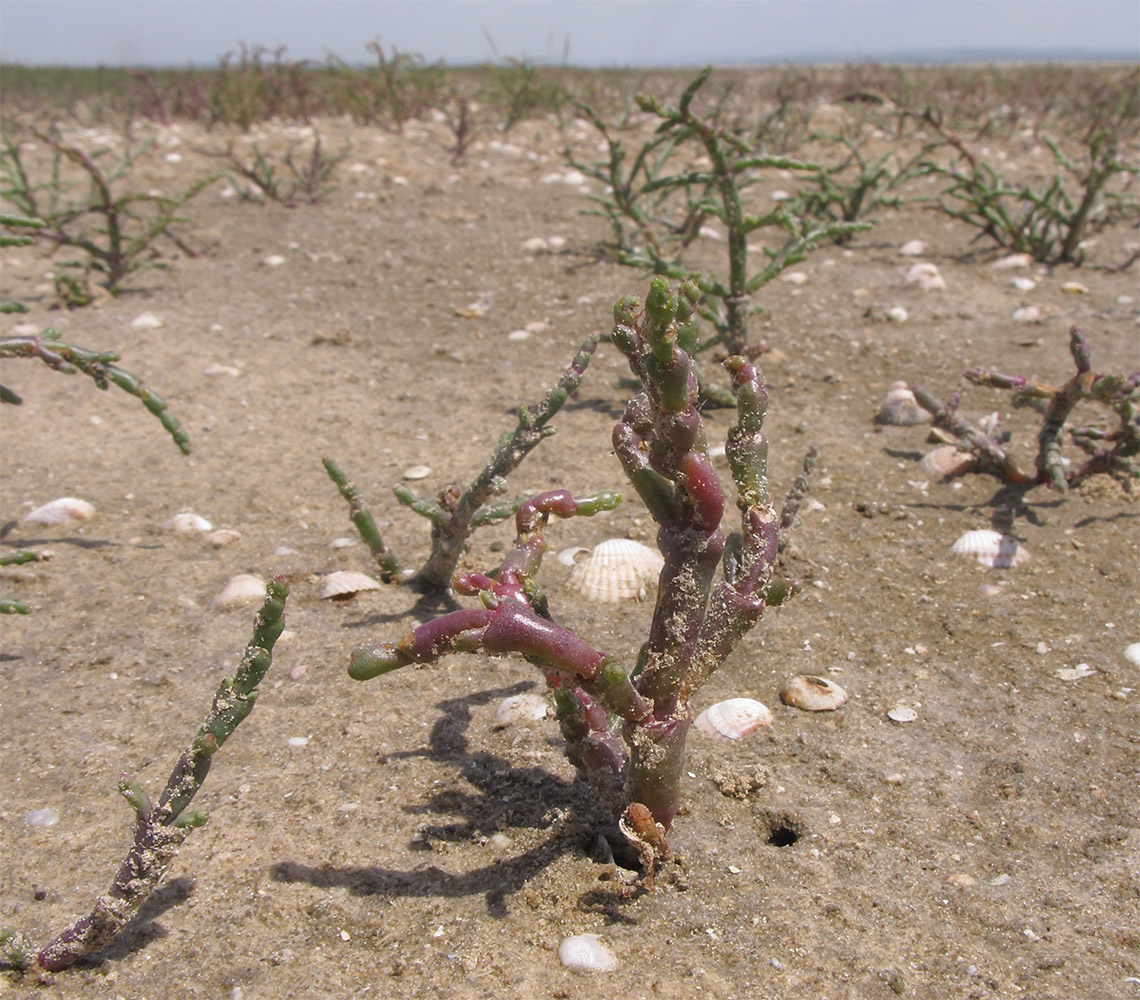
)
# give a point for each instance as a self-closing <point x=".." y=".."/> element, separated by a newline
<point x="595" y="32"/>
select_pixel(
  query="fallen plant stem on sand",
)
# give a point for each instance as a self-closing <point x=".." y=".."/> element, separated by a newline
<point x="160" y="830"/>
<point x="457" y="512"/>
<point x="661" y="445"/>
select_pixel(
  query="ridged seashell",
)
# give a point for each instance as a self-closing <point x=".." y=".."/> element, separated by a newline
<point x="618" y="569"/>
<point x="1026" y="314"/>
<point x="991" y="548"/>
<point x="587" y="953"/>
<point x="241" y="589"/>
<point x="946" y="460"/>
<point x="733" y="719"/>
<point x="61" y="511"/>
<point x="900" y="408"/>
<point x="813" y="694"/>
<point x="344" y="585"/>
<point x="1013" y="260"/>
<point x="521" y="708"/>
<point x="926" y="276"/>
<point x="187" y="524"/>
<point x="912" y="248"/>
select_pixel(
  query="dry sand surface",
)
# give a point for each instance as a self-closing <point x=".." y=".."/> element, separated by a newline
<point x="388" y="839"/>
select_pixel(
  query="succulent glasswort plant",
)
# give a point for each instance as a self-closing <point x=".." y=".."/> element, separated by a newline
<point x="457" y="512"/>
<point x="626" y="723"/>
<point x="1114" y="450"/>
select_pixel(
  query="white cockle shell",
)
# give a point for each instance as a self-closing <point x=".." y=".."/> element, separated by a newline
<point x="991" y="548"/>
<point x="733" y="719"/>
<point x="946" y="460"/>
<point x="521" y="708"/>
<point x="900" y="408"/>
<point x="618" y="569"/>
<point x="241" y="589"/>
<point x="61" y="511"/>
<point x="813" y="694"/>
<point x="344" y="585"/>
<point x="187" y="523"/>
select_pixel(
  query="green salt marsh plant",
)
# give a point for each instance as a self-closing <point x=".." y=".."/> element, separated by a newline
<point x="626" y="717"/>
<point x="457" y="511"/>
<point x="1049" y="221"/>
<point x="299" y="175"/>
<point x="119" y="231"/>
<point x="1111" y="449"/>
<point x="658" y="200"/>
<point x="161" y="828"/>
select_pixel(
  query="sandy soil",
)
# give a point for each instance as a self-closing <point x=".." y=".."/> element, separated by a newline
<point x="989" y="849"/>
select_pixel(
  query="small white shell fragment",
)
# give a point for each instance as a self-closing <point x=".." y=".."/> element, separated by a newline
<point x="1074" y="288"/>
<point x="519" y="335"/>
<point x="221" y="537"/>
<point x="926" y="276"/>
<point x="946" y="460"/>
<point x="709" y="233"/>
<point x="343" y="585"/>
<point x="813" y="694"/>
<point x="568" y="557"/>
<point x="1132" y="653"/>
<point x="1075" y="673"/>
<point x="537" y="326"/>
<point x="187" y="524"/>
<point x="218" y="369"/>
<point x="341" y="543"/>
<point x="733" y="719"/>
<point x="780" y="195"/>
<point x="146" y="321"/>
<point x="274" y="260"/>
<point x="536" y="244"/>
<point x="1012" y="261"/>
<point x="417" y="472"/>
<point x="42" y="817"/>
<point x="61" y="511"/>
<point x="794" y="277"/>
<point x="521" y="708"/>
<point x="897" y="314"/>
<point x="586" y="953"/>
<point x="298" y="741"/>
<point x="902" y="713"/>
<point x="912" y="248"/>
<point x="1023" y="284"/>
<point x="618" y="569"/>
<point x="1026" y="314"/>
<point x="900" y="408"/>
<point x="991" y="548"/>
<point x="241" y="589"/>
<point x="556" y="242"/>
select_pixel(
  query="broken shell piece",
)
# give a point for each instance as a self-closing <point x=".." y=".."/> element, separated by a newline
<point x="570" y="556"/>
<point x="521" y="708"/>
<point x="618" y="569"/>
<point x="733" y="719"/>
<point x="1075" y="673"/>
<point x="1013" y="260"/>
<point x="519" y="335"/>
<point x="991" y="548"/>
<point x="794" y="277"/>
<point x="241" y="589"/>
<point x="900" y="408"/>
<point x="223" y="536"/>
<point x="1023" y="284"/>
<point x="146" y="321"/>
<point x="61" y="511"/>
<point x="912" y="248"/>
<point x="344" y="585"/>
<point x="187" y="524"/>
<point x="586" y="953"/>
<point x="813" y="694"/>
<point x="417" y="472"/>
<point x="946" y="460"/>
<point x="1132" y="653"/>
<point x="1074" y="288"/>
<point x="902" y="713"/>
<point x="897" y="314"/>
<point x="1026" y="314"/>
<point x="926" y="276"/>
